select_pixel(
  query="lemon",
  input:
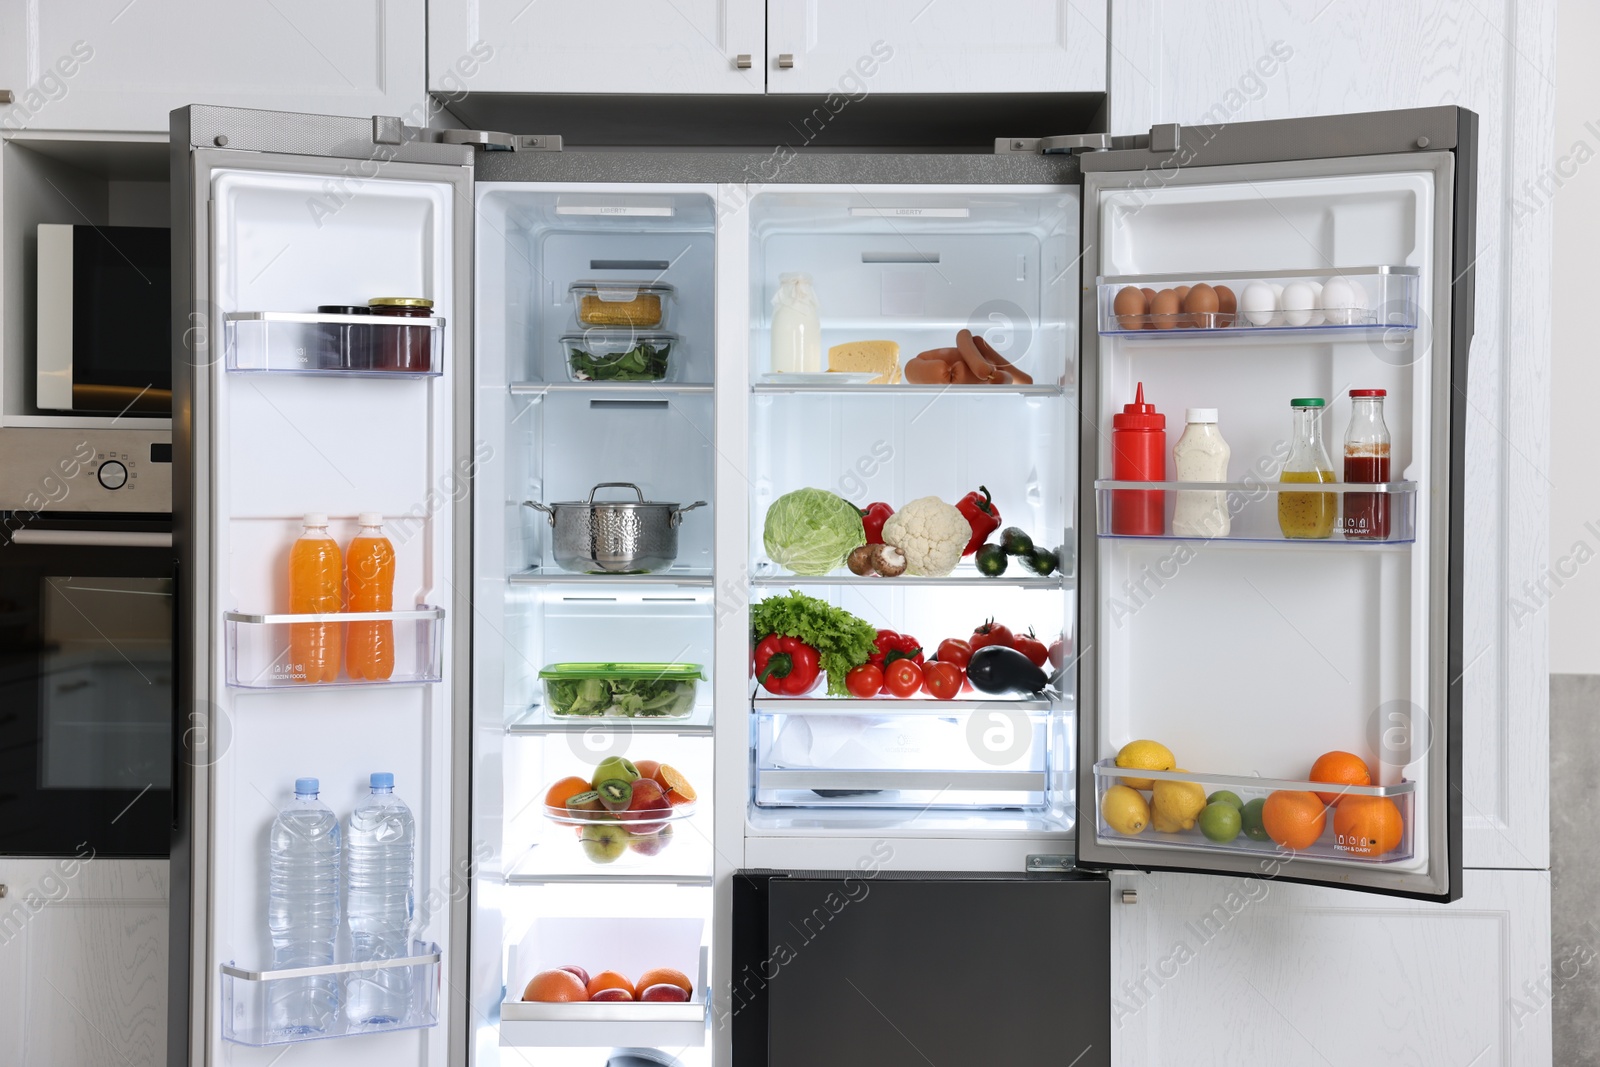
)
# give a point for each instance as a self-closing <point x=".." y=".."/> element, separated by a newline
<point x="1125" y="810"/>
<point x="1161" y="821"/>
<point x="1178" y="802"/>
<point x="1145" y="756"/>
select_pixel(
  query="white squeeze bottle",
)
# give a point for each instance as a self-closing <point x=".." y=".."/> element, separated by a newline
<point x="796" y="327"/>
<point x="1201" y="455"/>
<point x="382" y="841"/>
<point x="303" y="912"/>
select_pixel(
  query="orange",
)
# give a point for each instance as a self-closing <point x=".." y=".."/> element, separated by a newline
<point x="563" y="791"/>
<point x="676" y="786"/>
<point x="663" y="976"/>
<point x="647" y="767"/>
<point x="1340" y="768"/>
<point x="1367" y="826"/>
<point x="555" y="987"/>
<point x="609" y="980"/>
<point x="1293" y="819"/>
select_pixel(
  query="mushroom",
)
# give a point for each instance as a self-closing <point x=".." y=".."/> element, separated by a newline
<point x="860" y="560"/>
<point x="887" y="560"/>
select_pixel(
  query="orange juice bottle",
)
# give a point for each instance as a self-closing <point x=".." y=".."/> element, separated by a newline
<point x="314" y="581"/>
<point x="369" y="648"/>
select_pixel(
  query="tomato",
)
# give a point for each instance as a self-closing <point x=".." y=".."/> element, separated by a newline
<point x="954" y="650"/>
<point x="943" y="680"/>
<point x="1031" y="647"/>
<point x="991" y="633"/>
<point x="903" y="678"/>
<point x="1057" y="653"/>
<point x="864" y="681"/>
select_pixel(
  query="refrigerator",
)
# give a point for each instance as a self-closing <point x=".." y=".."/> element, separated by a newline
<point x="493" y="432"/>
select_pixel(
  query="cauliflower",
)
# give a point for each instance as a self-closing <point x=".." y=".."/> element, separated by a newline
<point x="931" y="533"/>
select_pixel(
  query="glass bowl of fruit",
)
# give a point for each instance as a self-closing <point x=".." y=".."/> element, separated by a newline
<point x="622" y="807"/>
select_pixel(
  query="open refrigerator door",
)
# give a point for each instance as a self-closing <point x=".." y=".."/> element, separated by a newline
<point x="1271" y="678"/>
<point x="312" y="430"/>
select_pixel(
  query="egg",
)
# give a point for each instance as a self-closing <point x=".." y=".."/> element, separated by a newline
<point x="1201" y="304"/>
<point x="1227" y="306"/>
<point x="1344" y="301"/>
<point x="1183" y="293"/>
<point x="1277" y="294"/>
<point x="1129" y="307"/>
<point x="1316" y="304"/>
<point x="1149" y="297"/>
<point x="1258" y="303"/>
<point x="1298" y="300"/>
<point x="1164" y="309"/>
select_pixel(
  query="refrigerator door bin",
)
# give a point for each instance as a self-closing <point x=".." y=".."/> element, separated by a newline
<point x="261" y="649"/>
<point x="1252" y="509"/>
<point x="247" y="998"/>
<point x="1265" y="304"/>
<point x="342" y="345"/>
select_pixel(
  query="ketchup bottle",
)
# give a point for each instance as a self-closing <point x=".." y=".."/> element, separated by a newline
<point x="1139" y="454"/>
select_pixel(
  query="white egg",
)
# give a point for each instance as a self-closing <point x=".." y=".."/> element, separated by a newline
<point x="1277" y="294"/>
<point x="1316" y="304"/>
<point x="1258" y="303"/>
<point x="1297" y="303"/>
<point x="1338" y="298"/>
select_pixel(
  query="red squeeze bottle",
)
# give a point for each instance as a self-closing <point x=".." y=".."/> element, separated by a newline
<point x="1139" y="454"/>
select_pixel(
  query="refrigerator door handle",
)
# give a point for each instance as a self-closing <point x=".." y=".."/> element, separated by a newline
<point x="98" y="538"/>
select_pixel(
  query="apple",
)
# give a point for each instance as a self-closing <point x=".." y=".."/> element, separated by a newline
<point x="665" y="991"/>
<point x="647" y="797"/>
<point x="612" y="994"/>
<point x="614" y="767"/>
<point x="583" y="975"/>
<point x="603" y="842"/>
<point x="652" y="844"/>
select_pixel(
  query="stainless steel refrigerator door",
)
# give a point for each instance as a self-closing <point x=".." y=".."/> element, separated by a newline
<point x="332" y="158"/>
<point x="1439" y="145"/>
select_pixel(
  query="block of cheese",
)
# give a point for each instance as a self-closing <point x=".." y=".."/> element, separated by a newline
<point x="877" y="357"/>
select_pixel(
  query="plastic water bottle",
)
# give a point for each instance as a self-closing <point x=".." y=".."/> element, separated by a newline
<point x="303" y="911"/>
<point x="382" y="839"/>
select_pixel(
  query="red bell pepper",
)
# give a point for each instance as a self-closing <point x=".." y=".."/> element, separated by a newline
<point x="873" y="516"/>
<point x="978" y="509"/>
<point x="786" y="665"/>
<point x="891" y="646"/>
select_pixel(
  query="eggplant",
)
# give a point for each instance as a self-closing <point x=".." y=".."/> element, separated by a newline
<point x="996" y="669"/>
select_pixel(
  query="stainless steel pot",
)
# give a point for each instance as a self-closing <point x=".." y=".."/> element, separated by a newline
<point x="632" y="537"/>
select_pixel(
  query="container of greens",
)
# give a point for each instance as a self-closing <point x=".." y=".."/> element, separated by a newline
<point x="621" y="690"/>
<point x="619" y="355"/>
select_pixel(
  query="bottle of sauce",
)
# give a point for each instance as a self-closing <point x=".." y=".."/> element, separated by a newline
<point x="796" y="327"/>
<point x="1307" y="515"/>
<point x="1139" y="454"/>
<point x="1201" y="455"/>
<point x="1366" y="461"/>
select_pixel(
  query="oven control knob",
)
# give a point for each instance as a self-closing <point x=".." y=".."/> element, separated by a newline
<point x="113" y="475"/>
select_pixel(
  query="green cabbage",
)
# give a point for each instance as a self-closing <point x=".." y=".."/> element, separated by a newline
<point x="811" y="531"/>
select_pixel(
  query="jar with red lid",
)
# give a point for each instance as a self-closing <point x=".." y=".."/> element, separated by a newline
<point x="1366" y="461"/>
<point x="402" y="348"/>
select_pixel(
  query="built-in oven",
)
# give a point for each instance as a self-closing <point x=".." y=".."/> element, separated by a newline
<point x="86" y="684"/>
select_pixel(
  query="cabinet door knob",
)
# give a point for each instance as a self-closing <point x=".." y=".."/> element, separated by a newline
<point x="743" y="61"/>
<point x="1130" y="896"/>
<point x="785" y="60"/>
<point x="5" y="96"/>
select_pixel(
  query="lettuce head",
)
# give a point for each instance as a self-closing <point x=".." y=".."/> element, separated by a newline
<point x="811" y="531"/>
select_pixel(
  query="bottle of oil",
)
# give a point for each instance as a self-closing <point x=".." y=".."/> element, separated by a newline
<point x="1307" y="515"/>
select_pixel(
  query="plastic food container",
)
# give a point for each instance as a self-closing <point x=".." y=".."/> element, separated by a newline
<point x="642" y="305"/>
<point x="601" y="355"/>
<point x="622" y="690"/>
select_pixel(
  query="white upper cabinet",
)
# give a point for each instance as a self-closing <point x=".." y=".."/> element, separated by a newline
<point x="595" y="46"/>
<point x="125" y="64"/>
<point x="935" y="46"/>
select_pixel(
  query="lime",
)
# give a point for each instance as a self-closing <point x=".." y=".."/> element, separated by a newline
<point x="1224" y="796"/>
<point x="1251" y="818"/>
<point x="1220" y="822"/>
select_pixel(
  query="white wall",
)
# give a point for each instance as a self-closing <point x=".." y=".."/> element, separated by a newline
<point x="1573" y="607"/>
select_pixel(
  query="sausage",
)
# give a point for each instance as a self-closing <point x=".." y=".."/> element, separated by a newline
<point x="981" y="369"/>
<point x="943" y="355"/>
<point x="1017" y="376"/>
<point x="961" y="374"/>
<point x="923" y="370"/>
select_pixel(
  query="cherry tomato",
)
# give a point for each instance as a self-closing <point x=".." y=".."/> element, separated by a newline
<point x="1058" y="652"/>
<point x="954" y="650"/>
<point x="942" y="680"/>
<point x="991" y="633"/>
<point x="1031" y="647"/>
<point x="864" y="681"/>
<point x="903" y="678"/>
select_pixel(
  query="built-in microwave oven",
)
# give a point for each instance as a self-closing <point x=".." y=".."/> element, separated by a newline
<point x="104" y="324"/>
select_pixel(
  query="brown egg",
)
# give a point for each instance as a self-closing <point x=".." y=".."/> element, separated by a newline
<point x="1130" y="307"/>
<point x="1183" y="293"/>
<point x="1227" y="306"/>
<point x="1201" y="304"/>
<point x="1164" y="309"/>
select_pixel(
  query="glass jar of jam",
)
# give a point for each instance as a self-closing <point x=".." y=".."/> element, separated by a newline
<point x="1366" y="460"/>
<point x="402" y="348"/>
<point x="343" y="345"/>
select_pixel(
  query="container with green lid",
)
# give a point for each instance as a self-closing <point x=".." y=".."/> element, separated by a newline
<point x="622" y="690"/>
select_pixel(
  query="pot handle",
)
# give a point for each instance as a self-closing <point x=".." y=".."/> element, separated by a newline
<point x="616" y="485"/>
<point x="677" y="513"/>
<point x="550" y="513"/>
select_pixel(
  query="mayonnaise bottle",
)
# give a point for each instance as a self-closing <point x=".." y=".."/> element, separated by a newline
<point x="1201" y="455"/>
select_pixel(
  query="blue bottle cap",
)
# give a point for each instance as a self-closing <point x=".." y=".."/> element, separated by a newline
<point x="306" y="786"/>
<point x="382" y="780"/>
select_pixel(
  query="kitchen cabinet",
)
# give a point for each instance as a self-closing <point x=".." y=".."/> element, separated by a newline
<point x="115" y="65"/>
<point x="1262" y="973"/>
<point x="1239" y="60"/>
<point x="603" y="46"/>
<point x="83" y="962"/>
